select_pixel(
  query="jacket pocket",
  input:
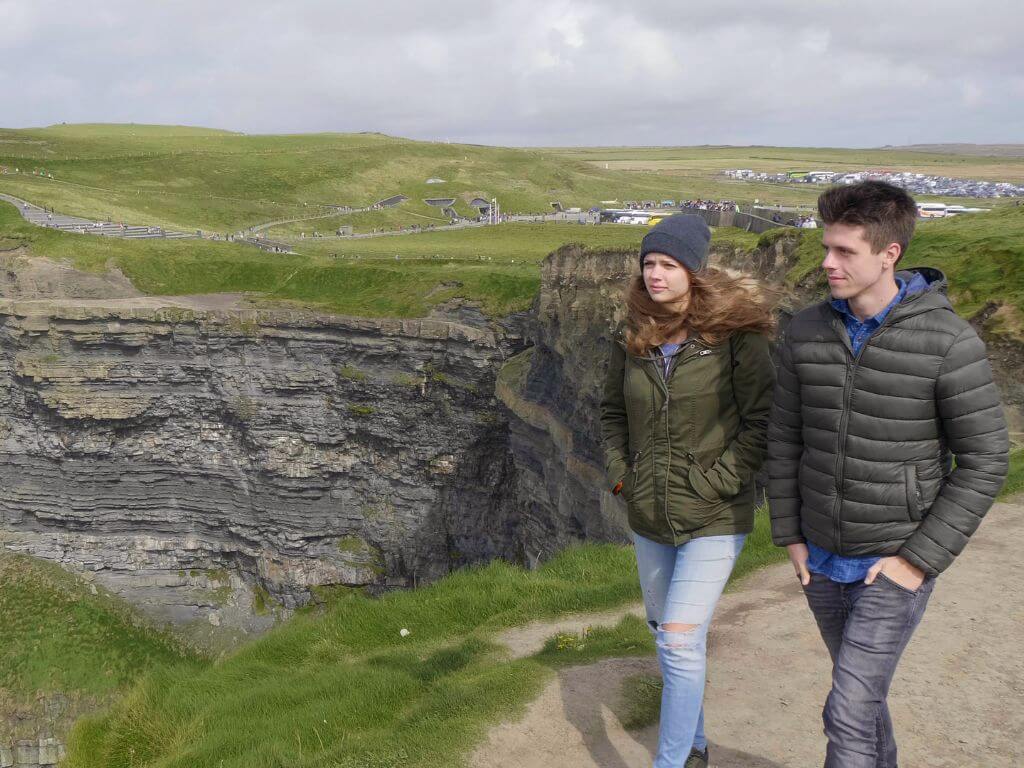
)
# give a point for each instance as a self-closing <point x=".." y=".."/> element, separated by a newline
<point x="629" y="481"/>
<point x="913" y="490"/>
<point x="701" y="485"/>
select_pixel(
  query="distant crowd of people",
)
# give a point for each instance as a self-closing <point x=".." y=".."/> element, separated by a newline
<point x="803" y="222"/>
<point x="709" y="205"/>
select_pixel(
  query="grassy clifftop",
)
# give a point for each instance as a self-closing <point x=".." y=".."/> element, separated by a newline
<point x="404" y="275"/>
<point x="496" y="266"/>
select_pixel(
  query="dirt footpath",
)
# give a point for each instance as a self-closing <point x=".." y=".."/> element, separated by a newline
<point x="958" y="696"/>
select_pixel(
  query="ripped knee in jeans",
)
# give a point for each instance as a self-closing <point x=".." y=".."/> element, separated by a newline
<point x="676" y="635"/>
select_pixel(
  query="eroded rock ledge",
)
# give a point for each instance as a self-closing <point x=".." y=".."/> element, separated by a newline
<point x="223" y="465"/>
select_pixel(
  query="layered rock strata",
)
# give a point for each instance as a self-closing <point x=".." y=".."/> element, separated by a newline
<point x="224" y="465"/>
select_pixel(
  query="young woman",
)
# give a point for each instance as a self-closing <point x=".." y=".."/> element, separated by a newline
<point x="683" y="418"/>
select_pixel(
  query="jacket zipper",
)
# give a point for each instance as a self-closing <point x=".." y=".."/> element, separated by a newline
<point x="844" y="420"/>
<point x="668" y="435"/>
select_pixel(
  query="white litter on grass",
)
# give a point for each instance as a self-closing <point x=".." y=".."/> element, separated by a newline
<point x="403" y="632"/>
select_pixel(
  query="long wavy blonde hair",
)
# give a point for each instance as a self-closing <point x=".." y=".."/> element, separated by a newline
<point x="721" y="302"/>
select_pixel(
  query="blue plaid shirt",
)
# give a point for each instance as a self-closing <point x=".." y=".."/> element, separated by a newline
<point x="837" y="567"/>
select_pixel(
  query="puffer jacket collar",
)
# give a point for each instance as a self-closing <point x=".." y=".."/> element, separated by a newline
<point x="932" y="297"/>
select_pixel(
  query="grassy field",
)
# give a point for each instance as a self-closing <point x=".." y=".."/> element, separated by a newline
<point x="218" y="181"/>
<point x="500" y="244"/>
<point x="497" y="266"/>
<point x="390" y="219"/>
<point x="981" y="254"/>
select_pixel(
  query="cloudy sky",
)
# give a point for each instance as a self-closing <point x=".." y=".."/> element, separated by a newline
<point x="527" y="72"/>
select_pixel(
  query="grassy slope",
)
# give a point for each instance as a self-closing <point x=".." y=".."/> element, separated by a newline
<point x="60" y="638"/>
<point x="982" y="255"/>
<point x="220" y="181"/>
<point x="343" y="687"/>
<point x="189" y="178"/>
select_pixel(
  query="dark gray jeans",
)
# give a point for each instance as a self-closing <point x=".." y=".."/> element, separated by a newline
<point x="865" y="627"/>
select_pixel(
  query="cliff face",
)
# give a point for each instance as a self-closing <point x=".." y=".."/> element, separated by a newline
<point x="553" y="393"/>
<point x="213" y="462"/>
<point x="222" y="464"/>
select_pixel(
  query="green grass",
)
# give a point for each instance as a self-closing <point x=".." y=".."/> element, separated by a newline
<point x="388" y="219"/>
<point x="341" y="686"/>
<point x="982" y="255"/>
<point x="58" y="636"/>
<point x="522" y="243"/>
<point x="1015" y="478"/>
<point x="497" y="266"/>
<point x="60" y="640"/>
<point x="220" y="181"/>
<point x="374" y="285"/>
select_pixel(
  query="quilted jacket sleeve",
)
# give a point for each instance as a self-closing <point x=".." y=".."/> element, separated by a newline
<point x="785" y="447"/>
<point x="975" y="430"/>
<point x="614" y="427"/>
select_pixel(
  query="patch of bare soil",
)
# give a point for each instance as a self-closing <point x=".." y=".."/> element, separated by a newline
<point x="29" y="277"/>
<point x="30" y="280"/>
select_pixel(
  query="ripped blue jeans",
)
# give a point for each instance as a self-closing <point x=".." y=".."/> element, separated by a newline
<point x="682" y="585"/>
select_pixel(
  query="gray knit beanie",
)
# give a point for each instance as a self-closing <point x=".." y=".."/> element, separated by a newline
<point x="683" y="236"/>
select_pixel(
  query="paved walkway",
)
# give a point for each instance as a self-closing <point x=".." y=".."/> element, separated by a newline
<point x="44" y="217"/>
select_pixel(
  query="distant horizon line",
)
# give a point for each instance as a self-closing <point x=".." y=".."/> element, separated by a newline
<point x="705" y="145"/>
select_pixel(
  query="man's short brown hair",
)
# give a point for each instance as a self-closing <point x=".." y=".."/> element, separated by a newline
<point x="886" y="212"/>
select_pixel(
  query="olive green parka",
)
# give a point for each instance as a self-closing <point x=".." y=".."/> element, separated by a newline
<point x="686" y="447"/>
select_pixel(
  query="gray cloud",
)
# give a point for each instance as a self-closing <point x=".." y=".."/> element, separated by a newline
<point x="532" y="72"/>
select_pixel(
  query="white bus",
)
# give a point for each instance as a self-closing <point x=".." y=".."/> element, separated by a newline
<point x="931" y="210"/>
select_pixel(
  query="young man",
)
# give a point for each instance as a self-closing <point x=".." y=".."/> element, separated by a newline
<point x="879" y="389"/>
